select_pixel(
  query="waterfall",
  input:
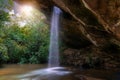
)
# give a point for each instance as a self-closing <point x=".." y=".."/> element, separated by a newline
<point x="54" y="38"/>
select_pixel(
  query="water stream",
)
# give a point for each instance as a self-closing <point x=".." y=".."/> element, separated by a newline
<point x="54" y="38"/>
<point x="53" y="71"/>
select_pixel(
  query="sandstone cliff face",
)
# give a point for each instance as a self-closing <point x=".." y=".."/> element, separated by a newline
<point x="97" y="20"/>
<point x="86" y="23"/>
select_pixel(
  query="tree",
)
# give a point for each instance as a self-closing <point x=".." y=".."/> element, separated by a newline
<point x="23" y="44"/>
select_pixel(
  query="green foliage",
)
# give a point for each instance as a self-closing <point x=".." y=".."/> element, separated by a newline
<point x="6" y="4"/>
<point x="4" y="16"/>
<point x="3" y="53"/>
<point x="28" y="44"/>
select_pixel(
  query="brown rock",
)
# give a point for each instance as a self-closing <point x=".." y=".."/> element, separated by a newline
<point x="82" y="77"/>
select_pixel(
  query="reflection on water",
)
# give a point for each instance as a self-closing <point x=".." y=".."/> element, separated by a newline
<point x="46" y="74"/>
<point x="9" y="72"/>
<point x="41" y="72"/>
<point x="18" y="69"/>
<point x="32" y="72"/>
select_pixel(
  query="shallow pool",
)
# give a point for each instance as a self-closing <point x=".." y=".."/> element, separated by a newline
<point x="42" y="72"/>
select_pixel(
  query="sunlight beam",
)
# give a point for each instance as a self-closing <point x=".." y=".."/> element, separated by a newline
<point x="27" y="10"/>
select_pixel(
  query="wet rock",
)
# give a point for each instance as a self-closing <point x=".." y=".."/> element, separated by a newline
<point x="82" y="77"/>
<point x="84" y="22"/>
<point x="88" y="28"/>
<point x="90" y="57"/>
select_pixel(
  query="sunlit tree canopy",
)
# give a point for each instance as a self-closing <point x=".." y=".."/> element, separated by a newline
<point x="24" y="37"/>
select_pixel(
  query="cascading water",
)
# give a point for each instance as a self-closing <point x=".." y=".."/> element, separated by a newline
<point x="53" y="71"/>
<point x="54" y="37"/>
<point x="53" y="60"/>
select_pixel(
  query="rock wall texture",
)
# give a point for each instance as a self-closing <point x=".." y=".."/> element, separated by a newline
<point x="90" y="57"/>
<point x="87" y="24"/>
<point x="84" y="21"/>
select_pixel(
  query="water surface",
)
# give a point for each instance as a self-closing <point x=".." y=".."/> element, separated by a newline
<point x="41" y="72"/>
